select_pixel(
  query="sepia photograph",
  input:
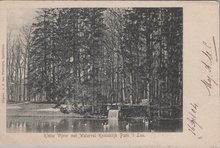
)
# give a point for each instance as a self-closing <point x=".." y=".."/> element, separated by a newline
<point x="109" y="74"/>
<point x="94" y="70"/>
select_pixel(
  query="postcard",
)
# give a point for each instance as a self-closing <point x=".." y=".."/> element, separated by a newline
<point x="109" y="74"/>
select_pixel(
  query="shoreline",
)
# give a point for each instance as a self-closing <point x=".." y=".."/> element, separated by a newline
<point x="28" y="109"/>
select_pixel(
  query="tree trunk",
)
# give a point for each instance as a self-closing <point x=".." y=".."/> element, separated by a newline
<point x="131" y="88"/>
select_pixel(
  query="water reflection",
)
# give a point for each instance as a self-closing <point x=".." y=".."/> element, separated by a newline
<point x="56" y="124"/>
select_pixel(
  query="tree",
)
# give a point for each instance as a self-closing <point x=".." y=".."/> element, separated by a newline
<point x="94" y="56"/>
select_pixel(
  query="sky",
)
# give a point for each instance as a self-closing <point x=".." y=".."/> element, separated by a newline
<point x="18" y="17"/>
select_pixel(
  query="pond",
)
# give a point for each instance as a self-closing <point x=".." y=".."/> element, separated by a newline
<point x="68" y="124"/>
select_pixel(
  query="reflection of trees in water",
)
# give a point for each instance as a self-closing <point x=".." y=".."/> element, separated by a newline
<point x="17" y="126"/>
<point x="22" y="125"/>
<point x="63" y="125"/>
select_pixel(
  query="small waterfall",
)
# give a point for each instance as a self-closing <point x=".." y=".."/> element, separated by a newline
<point x="113" y="114"/>
<point x="112" y="124"/>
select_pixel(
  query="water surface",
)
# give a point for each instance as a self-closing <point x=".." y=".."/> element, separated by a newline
<point x="68" y="124"/>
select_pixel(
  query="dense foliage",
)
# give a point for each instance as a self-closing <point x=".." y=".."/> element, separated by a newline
<point x="94" y="56"/>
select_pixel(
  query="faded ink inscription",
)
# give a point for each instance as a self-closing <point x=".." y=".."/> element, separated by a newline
<point x="193" y="126"/>
<point x="210" y="58"/>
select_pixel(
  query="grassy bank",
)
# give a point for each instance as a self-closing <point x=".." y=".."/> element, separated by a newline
<point x="35" y="109"/>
